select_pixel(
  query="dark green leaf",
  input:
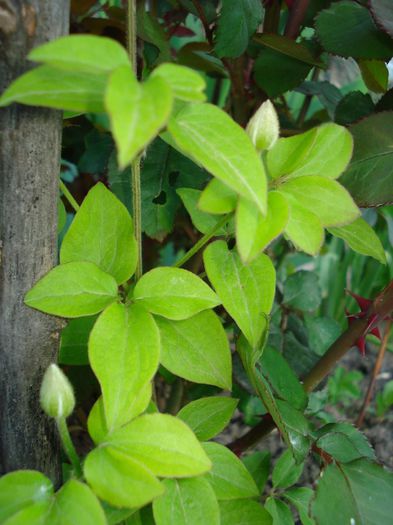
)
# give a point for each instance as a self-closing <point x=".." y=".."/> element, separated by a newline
<point x="353" y="107"/>
<point x="300" y="497"/>
<point x="344" y="442"/>
<point x="375" y="75"/>
<point x="369" y="177"/>
<point x="279" y="511"/>
<point x="287" y="46"/>
<point x="322" y="332"/>
<point x="238" y="21"/>
<point x="302" y="291"/>
<point x="243" y="512"/>
<point x="73" y="341"/>
<point x="348" y="29"/>
<point x="286" y="473"/>
<point x="258" y="465"/>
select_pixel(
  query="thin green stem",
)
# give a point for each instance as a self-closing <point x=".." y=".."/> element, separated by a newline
<point x="68" y="196"/>
<point x="135" y="166"/>
<point x="69" y="446"/>
<point x="202" y="241"/>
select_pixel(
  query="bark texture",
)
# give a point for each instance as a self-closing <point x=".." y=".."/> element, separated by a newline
<point x="30" y="143"/>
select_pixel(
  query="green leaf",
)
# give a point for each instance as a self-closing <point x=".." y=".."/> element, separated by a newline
<point x="73" y="341"/>
<point x="286" y="473"/>
<point x="225" y="149"/>
<point x="85" y="53"/>
<point x="119" y="479"/>
<point x="137" y="111"/>
<point x="208" y="416"/>
<point x="369" y="177"/>
<point x="246" y="291"/>
<point x="174" y="293"/>
<point x="185" y="83"/>
<point x="310" y="153"/>
<point x="229" y="477"/>
<point x="276" y="73"/>
<point x="359" y="491"/>
<point x="255" y="232"/>
<point x="129" y="335"/>
<point x="382" y="13"/>
<point x="34" y="514"/>
<point x="202" y="221"/>
<point x="282" y="378"/>
<point x="73" y="290"/>
<point x="217" y="198"/>
<point x="258" y="465"/>
<point x="352" y="107"/>
<point x="344" y="442"/>
<point x="347" y="29"/>
<point x="96" y="422"/>
<point x="375" y="75"/>
<point x="287" y="46"/>
<point x="21" y="489"/>
<point x="304" y="228"/>
<point x="61" y="216"/>
<point x="238" y="21"/>
<point x="164" y="444"/>
<point x="102" y="233"/>
<point x="55" y="88"/>
<point x="279" y="511"/>
<point x="197" y="349"/>
<point x="75" y="503"/>
<point x="243" y="512"/>
<point x="302" y="291"/>
<point x="327" y="199"/>
<point x="300" y="498"/>
<point x="362" y="239"/>
<point x="187" y="502"/>
<point x="322" y="332"/>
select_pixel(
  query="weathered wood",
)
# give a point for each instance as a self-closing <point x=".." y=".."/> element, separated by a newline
<point x="30" y="142"/>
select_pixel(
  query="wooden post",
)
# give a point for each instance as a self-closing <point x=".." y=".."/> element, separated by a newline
<point x="30" y="144"/>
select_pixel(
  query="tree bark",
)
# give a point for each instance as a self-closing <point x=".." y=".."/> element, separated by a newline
<point x="30" y="143"/>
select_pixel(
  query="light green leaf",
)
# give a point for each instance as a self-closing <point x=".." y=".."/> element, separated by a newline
<point x="202" y="221"/>
<point x="311" y="153"/>
<point x="34" y="514"/>
<point x="85" y="53"/>
<point x="76" y="503"/>
<point x="73" y="290"/>
<point x="137" y="111"/>
<point x="327" y="199"/>
<point x="55" y="88"/>
<point x="300" y="498"/>
<point x="174" y="293"/>
<point x="197" y="349"/>
<point x="164" y="444"/>
<point x="286" y="472"/>
<point x="224" y="149"/>
<point x="246" y="291"/>
<point x="208" y="416"/>
<point x="279" y="511"/>
<point x="96" y="423"/>
<point x="187" y="502"/>
<point x="186" y="83"/>
<point x="375" y="75"/>
<point x="360" y="491"/>
<point x="20" y="489"/>
<point x="361" y="238"/>
<point x="238" y="21"/>
<point x="229" y="477"/>
<point x="304" y="229"/>
<point x="254" y="232"/>
<point x="243" y="512"/>
<point x="217" y="198"/>
<point x="102" y="233"/>
<point x="124" y="352"/>
<point x="119" y="479"/>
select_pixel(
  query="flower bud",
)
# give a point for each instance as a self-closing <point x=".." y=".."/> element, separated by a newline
<point x="263" y="128"/>
<point x="56" y="394"/>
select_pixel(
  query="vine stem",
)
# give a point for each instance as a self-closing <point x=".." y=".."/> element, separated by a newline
<point x="68" y="196"/>
<point x="377" y="368"/>
<point x="69" y="446"/>
<point x="135" y="166"/>
<point x="202" y="241"/>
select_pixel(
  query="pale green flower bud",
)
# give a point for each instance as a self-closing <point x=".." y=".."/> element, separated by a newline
<point x="56" y="394"/>
<point x="264" y="128"/>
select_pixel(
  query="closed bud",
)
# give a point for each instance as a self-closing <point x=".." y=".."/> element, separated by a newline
<point x="56" y="394"/>
<point x="264" y="128"/>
